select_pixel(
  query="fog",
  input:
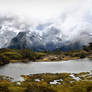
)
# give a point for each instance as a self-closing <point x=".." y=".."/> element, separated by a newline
<point x="70" y="20"/>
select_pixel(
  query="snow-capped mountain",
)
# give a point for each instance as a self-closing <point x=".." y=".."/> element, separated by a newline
<point x="7" y="31"/>
<point x="10" y="26"/>
<point x="37" y="41"/>
<point x="69" y="31"/>
<point x="26" y="40"/>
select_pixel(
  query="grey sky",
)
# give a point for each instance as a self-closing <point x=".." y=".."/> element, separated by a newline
<point x="38" y="8"/>
<point x="72" y="17"/>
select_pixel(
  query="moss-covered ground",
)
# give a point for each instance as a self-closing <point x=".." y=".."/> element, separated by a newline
<point x="62" y="82"/>
<point x="25" y="55"/>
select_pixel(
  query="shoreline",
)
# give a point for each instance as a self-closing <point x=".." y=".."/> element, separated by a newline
<point x="26" y="55"/>
<point x="49" y="82"/>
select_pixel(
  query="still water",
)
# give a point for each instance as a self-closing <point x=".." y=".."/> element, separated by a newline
<point x="72" y="66"/>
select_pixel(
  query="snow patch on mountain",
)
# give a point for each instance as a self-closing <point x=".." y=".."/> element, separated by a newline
<point x="10" y="26"/>
<point x="72" y="28"/>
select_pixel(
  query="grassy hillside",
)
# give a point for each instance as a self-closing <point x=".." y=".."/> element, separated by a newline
<point x="25" y="55"/>
<point x="13" y="55"/>
<point x="86" y="52"/>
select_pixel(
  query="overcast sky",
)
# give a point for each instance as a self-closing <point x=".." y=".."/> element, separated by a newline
<point x="40" y="9"/>
<point x="71" y="17"/>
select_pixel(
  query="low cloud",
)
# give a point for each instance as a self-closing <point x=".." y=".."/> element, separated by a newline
<point x="73" y="25"/>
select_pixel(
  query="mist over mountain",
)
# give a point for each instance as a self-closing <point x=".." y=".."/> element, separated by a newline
<point x="47" y="36"/>
<point x="71" y="30"/>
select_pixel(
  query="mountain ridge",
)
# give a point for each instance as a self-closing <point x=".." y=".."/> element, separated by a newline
<point x="46" y="36"/>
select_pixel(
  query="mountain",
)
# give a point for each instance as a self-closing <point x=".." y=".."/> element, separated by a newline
<point x="35" y="41"/>
<point x="10" y="26"/>
<point x="63" y="33"/>
<point x="47" y="42"/>
<point x="28" y="39"/>
<point x="6" y="31"/>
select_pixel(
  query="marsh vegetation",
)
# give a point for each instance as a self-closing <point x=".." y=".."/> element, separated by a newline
<point x="46" y="82"/>
<point x="60" y="82"/>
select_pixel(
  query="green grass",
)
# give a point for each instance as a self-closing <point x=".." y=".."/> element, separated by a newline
<point x="24" y="55"/>
<point x="30" y="85"/>
<point x="8" y="55"/>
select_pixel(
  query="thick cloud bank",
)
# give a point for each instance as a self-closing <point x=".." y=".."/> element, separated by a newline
<point x="75" y="24"/>
<point x="72" y="27"/>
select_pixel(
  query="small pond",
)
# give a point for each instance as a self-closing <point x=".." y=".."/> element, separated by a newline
<point x="72" y="66"/>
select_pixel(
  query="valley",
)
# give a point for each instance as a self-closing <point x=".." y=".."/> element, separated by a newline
<point x="25" y="70"/>
<point x="45" y="45"/>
